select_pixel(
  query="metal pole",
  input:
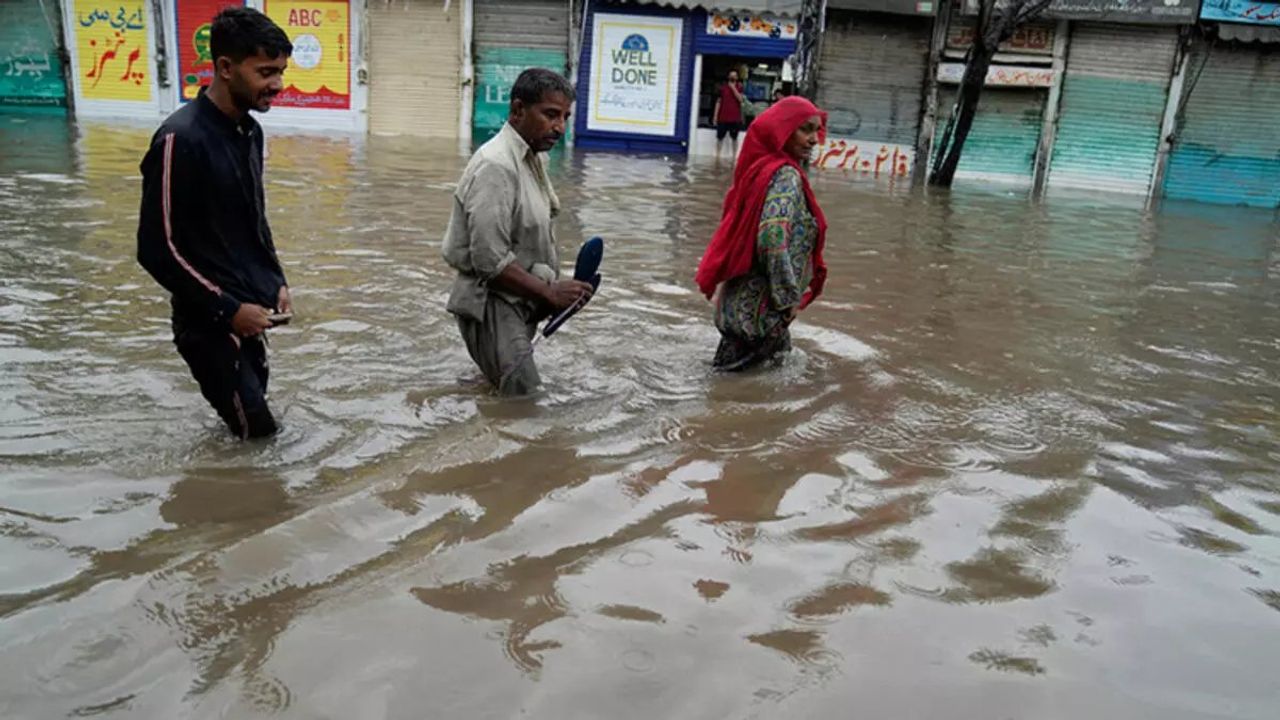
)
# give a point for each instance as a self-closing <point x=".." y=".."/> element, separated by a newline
<point x="468" y="78"/>
<point x="1049" y="127"/>
<point x="1169" y="126"/>
<point x="162" y="47"/>
<point x="572" y="65"/>
<point x="814" y="59"/>
<point x="57" y="31"/>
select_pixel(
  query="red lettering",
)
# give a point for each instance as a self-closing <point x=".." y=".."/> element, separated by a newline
<point x="304" y="18"/>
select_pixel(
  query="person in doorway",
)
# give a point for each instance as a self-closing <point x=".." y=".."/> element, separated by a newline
<point x="764" y="264"/>
<point x="202" y="228"/>
<point x="500" y="237"/>
<point x="727" y="114"/>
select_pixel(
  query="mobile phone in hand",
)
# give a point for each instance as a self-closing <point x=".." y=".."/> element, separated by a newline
<point x="280" y="318"/>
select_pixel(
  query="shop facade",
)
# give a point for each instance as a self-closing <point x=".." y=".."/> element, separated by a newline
<point x="873" y="82"/>
<point x="510" y="36"/>
<point x="117" y="54"/>
<point x="1119" y="68"/>
<point x="648" y="74"/>
<point x="139" y="61"/>
<point x="1004" y="141"/>
<point x="325" y="87"/>
<point x="1226" y="147"/>
<point x="635" y="78"/>
<point x="757" y="46"/>
<point x="31" y="68"/>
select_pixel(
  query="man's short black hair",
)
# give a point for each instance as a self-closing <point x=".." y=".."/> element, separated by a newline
<point x="240" y="32"/>
<point x="533" y="85"/>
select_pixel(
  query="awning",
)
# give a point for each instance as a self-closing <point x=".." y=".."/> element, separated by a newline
<point x="1249" y="33"/>
<point x="776" y="7"/>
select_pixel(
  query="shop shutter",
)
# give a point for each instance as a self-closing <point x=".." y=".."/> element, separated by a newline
<point x="30" y="70"/>
<point x="1113" y="102"/>
<point x="871" y="75"/>
<point x="1228" y="141"/>
<point x="1005" y="134"/>
<point x="415" y="49"/>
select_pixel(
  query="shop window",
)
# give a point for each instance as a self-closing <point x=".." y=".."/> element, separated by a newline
<point x="761" y="79"/>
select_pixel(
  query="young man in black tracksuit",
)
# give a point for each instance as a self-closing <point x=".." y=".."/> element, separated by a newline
<point x="202" y="231"/>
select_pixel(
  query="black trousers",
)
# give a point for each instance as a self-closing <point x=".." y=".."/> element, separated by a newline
<point x="232" y="373"/>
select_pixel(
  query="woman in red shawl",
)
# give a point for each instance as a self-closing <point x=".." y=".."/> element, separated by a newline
<point x="764" y="263"/>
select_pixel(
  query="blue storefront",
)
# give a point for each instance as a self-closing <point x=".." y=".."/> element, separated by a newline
<point x="648" y="75"/>
<point x="1227" y="146"/>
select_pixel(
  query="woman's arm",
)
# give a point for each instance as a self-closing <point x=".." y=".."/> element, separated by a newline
<point x="773" y="242"/>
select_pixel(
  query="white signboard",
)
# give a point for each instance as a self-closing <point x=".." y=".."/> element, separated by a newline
<point x="1032" y="76"/>
<point x="635" y="74"/>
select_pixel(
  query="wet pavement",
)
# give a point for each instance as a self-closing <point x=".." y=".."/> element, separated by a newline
<point x="1023" y="462"/>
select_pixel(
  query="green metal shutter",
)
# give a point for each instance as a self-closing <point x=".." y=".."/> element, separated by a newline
<point x="1006" y="132"/>
<point x="1113" y="100"/>
<point x="510" y="36"/>
<point x="30" y="71"/>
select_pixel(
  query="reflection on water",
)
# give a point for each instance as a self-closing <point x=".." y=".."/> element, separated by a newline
<point x="1028" y="449"/>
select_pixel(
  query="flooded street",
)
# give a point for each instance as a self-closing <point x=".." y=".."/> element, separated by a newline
<point x="1023" y="462"/>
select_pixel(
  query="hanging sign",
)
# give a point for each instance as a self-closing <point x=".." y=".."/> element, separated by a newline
<point x="1027" y="76"/>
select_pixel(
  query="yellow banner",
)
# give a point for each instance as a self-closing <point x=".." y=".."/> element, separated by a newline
<point x="111" y="49"/>
<point x="319" y="74"/>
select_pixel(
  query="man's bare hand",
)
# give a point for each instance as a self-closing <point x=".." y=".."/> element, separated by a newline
<point x="564" y="293"/>
<point x="284" y="302"/>
<point x="250" y="320"/>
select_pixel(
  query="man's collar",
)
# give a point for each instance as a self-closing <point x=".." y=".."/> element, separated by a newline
<point x="209" y="109"/>
<point x="516" y="142"/>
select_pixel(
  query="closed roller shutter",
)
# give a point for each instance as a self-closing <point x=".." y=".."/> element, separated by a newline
<point x="1228" y="143"/>
<point x="522" y="23"/>
<point x="1006" y="132"/>
<point x="871" y="75"/>
<point x="510" y="36"/>
<point x="415" y="56"/>
<point x="30" y="70"/>
<point x="1113" y="101"/>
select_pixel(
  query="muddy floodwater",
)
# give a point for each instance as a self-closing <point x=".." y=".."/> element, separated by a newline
<point x="1022" y="463"/>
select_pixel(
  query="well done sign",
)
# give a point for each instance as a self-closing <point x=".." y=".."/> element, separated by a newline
<point x="634" y="74"/>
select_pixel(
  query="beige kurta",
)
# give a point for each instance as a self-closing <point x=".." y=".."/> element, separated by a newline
<point x="503" y="211"/>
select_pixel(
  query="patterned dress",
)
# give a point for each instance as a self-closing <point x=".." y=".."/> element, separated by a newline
<point x="752" y="313"/>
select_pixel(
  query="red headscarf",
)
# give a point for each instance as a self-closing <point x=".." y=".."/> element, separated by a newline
<point x="732" y="248"/>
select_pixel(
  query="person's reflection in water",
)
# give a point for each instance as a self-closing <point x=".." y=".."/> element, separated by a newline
<point x="229" y="624"/>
